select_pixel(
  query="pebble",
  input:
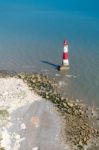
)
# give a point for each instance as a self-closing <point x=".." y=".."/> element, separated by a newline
<point x="23" y="126"/>
<point x="35" y="148"/>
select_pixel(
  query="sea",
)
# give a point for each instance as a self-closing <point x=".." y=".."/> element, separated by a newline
<point x="31" y="40"/>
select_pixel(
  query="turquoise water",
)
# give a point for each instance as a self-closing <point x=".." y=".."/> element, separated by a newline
<point x="32" y="40"/>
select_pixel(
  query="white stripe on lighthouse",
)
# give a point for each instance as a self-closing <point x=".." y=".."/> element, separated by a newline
<point x="65" y="62"/>
<point x="66" y="48"/>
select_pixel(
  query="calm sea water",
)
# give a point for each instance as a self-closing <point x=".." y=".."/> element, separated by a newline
<point x="32" y="40"/>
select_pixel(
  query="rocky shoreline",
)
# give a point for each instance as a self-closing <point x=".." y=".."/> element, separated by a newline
<point x="78" y="129"/>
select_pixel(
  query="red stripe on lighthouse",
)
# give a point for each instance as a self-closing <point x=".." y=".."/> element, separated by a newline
<point x="65" y="55"/>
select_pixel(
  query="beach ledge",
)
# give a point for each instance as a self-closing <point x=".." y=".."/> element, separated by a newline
<point x="77" y="128"/>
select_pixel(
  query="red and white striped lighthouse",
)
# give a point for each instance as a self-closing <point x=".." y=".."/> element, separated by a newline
<point x="65" y="60"/>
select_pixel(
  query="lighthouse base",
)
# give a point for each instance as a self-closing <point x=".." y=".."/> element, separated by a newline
<point x="63" y="68"/>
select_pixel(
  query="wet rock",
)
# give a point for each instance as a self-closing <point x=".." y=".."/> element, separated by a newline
<point x="80" y="146"/>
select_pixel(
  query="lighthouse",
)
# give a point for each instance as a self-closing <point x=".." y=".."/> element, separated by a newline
<point x="65" y="59"/>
